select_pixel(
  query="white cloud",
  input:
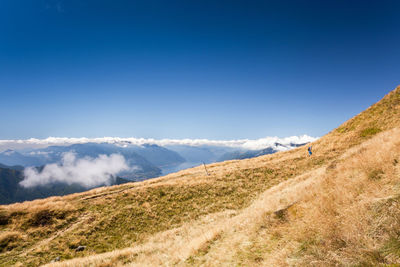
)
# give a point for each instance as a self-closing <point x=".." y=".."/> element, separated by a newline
<point x="43" y="153"/>
<point x="240" y="143"/>
<point x="88" y="172"/>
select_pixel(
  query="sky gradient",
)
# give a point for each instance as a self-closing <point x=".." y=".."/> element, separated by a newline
<point x="192" y="69"/>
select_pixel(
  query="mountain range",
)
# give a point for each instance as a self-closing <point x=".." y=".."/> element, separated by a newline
<point x="146" y="161"/>
<point x="148" y="158"/>
<point x="11" y="191"/>
<point x="338" y="207"/>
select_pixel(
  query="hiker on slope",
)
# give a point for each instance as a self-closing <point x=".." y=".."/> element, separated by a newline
<point x="309" y="151"/>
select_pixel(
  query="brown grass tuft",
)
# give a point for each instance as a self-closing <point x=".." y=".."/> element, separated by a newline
<point x="10" y="240"/>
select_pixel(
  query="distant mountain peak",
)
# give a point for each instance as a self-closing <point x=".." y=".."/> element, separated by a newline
<point x="8" y="152"/>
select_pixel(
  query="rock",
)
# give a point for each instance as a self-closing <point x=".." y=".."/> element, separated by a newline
<point x="282" y="213"/>
<point x="56" y="259"/>
<point x="80" y="248"/>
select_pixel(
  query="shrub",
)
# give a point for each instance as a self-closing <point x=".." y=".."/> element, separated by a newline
<point x="9" y="240"/>
<point x="375" y="174"/>
<point x="4" y="218"/>
<point x="42" y="218"/>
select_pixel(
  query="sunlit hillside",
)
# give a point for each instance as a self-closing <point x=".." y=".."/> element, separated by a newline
<point x="339" y="207"/>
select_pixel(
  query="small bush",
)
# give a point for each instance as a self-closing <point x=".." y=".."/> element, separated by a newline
<point x="4" y="218"/>
<point x="9" y="240"/>
<point x="42" y="218"/>
<point x="46" y="217"/>
<point x="281" y="214"/>
<point x="375" y="174"/>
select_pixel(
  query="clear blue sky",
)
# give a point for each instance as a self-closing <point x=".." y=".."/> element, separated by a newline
<point x="195" y="69"/>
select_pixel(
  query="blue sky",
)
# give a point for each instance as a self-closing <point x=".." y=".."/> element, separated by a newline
<point x="192" y="69"/>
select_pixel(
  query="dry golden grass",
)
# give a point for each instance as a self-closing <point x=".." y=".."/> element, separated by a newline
<point x="323" y="217"/>
<point x="338" y="207"/>
<point x="338" y="221"/>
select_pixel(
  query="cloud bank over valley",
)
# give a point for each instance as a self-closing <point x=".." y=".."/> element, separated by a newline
<point x="248" y="144"/>
<point x="92" y="162"/>
<point x="87" y="172"/>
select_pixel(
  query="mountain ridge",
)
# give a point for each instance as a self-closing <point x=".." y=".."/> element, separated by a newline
<point x="237" y="214"/>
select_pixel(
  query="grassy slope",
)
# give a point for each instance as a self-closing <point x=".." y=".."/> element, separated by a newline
<point x="142" y="215"/>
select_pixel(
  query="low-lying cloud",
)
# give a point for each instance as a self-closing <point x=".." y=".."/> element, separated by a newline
<point x="88" y="172"/>
<point x="239" y="143"/>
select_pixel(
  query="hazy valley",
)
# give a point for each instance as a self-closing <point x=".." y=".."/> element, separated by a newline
<point x="30" y="173"/>
<point x="338" y="207"/>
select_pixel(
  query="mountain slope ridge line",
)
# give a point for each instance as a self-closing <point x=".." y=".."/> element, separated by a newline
<point x="361" y="152"/>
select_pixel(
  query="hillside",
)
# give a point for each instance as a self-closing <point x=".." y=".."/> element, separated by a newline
<point x="339" y="207"/>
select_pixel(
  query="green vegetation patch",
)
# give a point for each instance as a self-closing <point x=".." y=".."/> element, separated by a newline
<point x="346" y="129"/>
<point x="392" y="246"/>
<point x="368" y="132"/>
